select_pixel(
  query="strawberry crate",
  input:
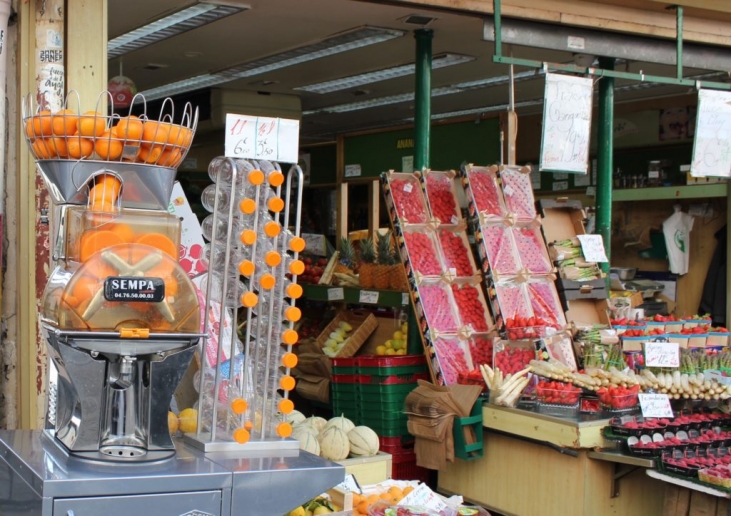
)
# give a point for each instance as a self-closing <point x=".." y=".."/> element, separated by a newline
<point x="442" y="197"/>
<point x="453" y="357"/>
<point x="481" y="349"/>
<point x="498" y="250"/>
<point x="518" y="191"/>
<point x="484" y="196"/>
<point x="405" y="197"/>
<point x="531" y="249"/>
<point x="436" y="305"/>
<point x="455" y="252"/>
<point x="471" y="306"/>
<point x="421" y="247"/>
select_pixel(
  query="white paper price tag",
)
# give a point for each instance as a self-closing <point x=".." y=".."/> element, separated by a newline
<point x="662" y="354"/>
<point x="352" y="170"/>
<point x="655" y="405"/>
<point x="335" y="294"/>
<point x="368" y="296"/>
<point x="422" y="496"/>
<point x="350" y="484"/>
<point x="256" y="137"/>
<point x="404" y="298"/>
<point x="593" y="248"/>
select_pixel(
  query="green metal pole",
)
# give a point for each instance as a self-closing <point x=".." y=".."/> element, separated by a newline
<point x="422" y="96"/>
<point x="496" y="8"/>
<point x="679" y="51"/>
<point x="604" y="158"/>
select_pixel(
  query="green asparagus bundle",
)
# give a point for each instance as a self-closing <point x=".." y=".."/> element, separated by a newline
<point x="596" y="336"/>
<point x="615" y="359"/>
<point x="581" y="273"/>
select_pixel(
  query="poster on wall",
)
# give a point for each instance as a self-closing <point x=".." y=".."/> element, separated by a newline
<point x="566" y="123"/>
<point x="712" y="143"/>
<point x="677" y="123"/>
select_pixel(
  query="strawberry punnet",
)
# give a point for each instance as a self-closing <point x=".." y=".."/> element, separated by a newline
<point x="441" y="199"/>
<point x="422" y="254"/>
<point x="486" y="193"/>
<point x="455" y="253"/>
<point x="408" y="201"/>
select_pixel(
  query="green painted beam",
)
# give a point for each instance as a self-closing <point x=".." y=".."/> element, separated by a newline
<point x="351" y="295"/>
<point x="422" y="98"/>
<point x="605" y="159"/>
<point x="670" y="192"/>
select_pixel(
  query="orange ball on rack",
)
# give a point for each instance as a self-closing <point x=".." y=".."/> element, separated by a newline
<point x="297" y="267"/>
<point x="255" y="177"/>
<point x="297" y="244"/>
<point x="249" y="299"/>
<point x="247" y="206"/>
<point x="276" y="178"/>
<point x="241" y="435"/>
<point x="247" y="268"/>
<point x="284" y="430"/>
<point x="289" y="337"/>
<point x="248" y="236"/>
<point x="294" y="291"/>
<point x="285" y="406"/>
<point x="275" y="204"/>
<point x="267" y="281"/>
<point x="92" y="124"/>
<point x="272" y="258"/>
<point x="272" y="229"/>
<point x="289" y="360"/>
<point x="287" y="383"/>
<point x="239" y="406"/>
<point x="293" y="314"/>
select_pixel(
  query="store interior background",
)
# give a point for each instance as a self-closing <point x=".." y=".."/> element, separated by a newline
<point x="651" y="122"/>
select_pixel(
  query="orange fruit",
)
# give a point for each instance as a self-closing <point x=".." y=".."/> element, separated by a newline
<point x="363" y="507"/>
<point x="187" y="136"/>
<point x="170" y="158"/>
<point x="176" y="136"/>
<point x="58" y="147"/>
<point x="94" y="241"/>
<point x="42" y="149"/>
<point x="129" y="128"/>
<point x="161" y="242"/>
<point x="92" y="123"/>
<point x="84" y="288"/>
<point x="64" y="122"/>
<point x="79" y="147"/>
<point x="70" y="300"/>
<point x="99" y="270"/>
<point x="155" y="132"/>
<point x="150" y="154"/>
<point x="373" y="498"/>
<point x="385" y="496"/>
<point x="105" y="190"/>
<point x="40" y="125"/>
<point x="107" y="147"/>
<point x="124" y="231"/>
<point x="407" y="490"/>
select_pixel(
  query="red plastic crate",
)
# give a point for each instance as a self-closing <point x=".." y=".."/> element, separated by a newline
<point x="407" y="442"/>
<point x="345" y="362"/>
<point x="391" y="379"/>
<point x="408" y="470"/>
<point x="346" y="378"/>
<point x="391" y="361"/>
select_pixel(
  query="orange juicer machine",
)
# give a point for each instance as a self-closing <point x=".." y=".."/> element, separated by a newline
<point x="120" y="317"/>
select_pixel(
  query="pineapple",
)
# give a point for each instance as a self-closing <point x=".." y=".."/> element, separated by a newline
<point x="382" y="270"/>
<point x="397" y="275"/>
<point x="368" y="259"/>
<point x="347" y="254"/>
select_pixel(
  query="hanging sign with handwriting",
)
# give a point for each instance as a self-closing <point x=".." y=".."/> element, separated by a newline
<point x="566" y="123"/>
<point x="258" y="137"/>
<point x="712" y="144"/>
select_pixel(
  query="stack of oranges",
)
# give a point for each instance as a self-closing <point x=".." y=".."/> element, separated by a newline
<point x="68" y="135"/>
<point x="394" y="494"/>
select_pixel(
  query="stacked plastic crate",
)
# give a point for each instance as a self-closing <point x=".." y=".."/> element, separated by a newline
<point x="518" y="272"/>
<point x="444" y="281"/>
<point x="371" y="390"/>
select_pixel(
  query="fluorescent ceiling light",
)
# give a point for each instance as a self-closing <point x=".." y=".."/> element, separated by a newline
<point x="440" y="61"/>
<point x="343" y="42"/>
<point x="187" y="19"/>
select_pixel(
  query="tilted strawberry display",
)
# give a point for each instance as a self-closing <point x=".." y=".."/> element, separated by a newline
<point x="502" y="254"/>
<point x="471" y="310"/>
<point x="422" y="254"/>
<point x="455" y="253"/>
<point x="452" y="360"/>
<point x="441" y="200"/>
<point x="544" y="301"/>
<point x="481" y="349"/>
<point x="518" y="327"/>
<point x="408" y="200"/>
<point x="486" y="193"/>
<point x="532" y="250"/>
<point x="518" y="193"/>
<point x="438" y="308"/>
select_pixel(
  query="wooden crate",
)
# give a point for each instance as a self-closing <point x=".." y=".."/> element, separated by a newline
<point x="369" y="470"/>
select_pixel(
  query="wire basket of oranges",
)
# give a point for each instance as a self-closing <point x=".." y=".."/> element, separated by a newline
<point x="69" y="134"/>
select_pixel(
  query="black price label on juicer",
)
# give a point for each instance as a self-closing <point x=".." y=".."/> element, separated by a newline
<point x="126" y="288"/>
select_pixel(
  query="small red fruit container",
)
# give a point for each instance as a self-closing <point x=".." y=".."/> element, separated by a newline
<point x="440" y="193"/>
<point x="481" y="349"/>
<point x="558" y="394"/>
<point x="437" y="304"/>
<point x="637" y="426"/>
<point x="471" y="306"/>
<point x="421" y="247"/>
<point x="680" y="466"/>
<point x="408" y="198"/>
<point x="645" y="448"/>
<point x="454" y="249"/>
<point x="619" y="399"/>
<point x="717" y="475"/>
<point x="511" y="357"/>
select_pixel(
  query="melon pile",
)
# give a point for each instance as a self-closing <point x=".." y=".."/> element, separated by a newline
<point x="336" y="439"/>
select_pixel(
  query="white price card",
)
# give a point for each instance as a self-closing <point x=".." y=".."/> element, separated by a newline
<point x="315" y="244"/>
<point x="662" y="354"/>
<point x="368" y="296"/>
<point x="422" y="496"/>
<point x="560" y="185"/>
<point x="350" y="484"/>
<point x="593" y="248"/>
<point x="352" y="170"/>
<point x="258" y="137"/>
<point x="335" y="294"/>
<point x="655" y="405"/>
<point x="404" y="298"/>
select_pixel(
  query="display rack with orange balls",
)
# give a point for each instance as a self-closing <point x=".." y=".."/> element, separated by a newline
<point x="253" y="252"/>
<point x="73" y="134"/>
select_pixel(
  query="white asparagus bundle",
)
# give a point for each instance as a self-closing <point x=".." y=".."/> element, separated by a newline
<point x="506" y="391"/>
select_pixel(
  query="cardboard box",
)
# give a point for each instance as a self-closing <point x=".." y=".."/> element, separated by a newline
<point x="586" y="312"/>
<point x="385" y="328"/>
<point x="576" y="295"/>
<point x="363" y="325"/>
<point x="369" y="470"/>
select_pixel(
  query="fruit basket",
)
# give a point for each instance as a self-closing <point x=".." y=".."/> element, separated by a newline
<point x="512" y="357"/>
<point x="500" y="249"/>
<point x="531" y="249"/>
<point x="718" y="476"/>
<point x="472" y="307"/>
<point x="518" y="192"/>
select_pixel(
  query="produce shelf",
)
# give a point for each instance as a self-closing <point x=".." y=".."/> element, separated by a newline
<point x="670" y="192"/>
<point x="352" y="295"/>
<point x="689" y="484"/>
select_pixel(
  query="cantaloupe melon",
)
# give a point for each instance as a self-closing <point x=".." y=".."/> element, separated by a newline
<point x="341" y="423"/>
<point x="334" y="444"/>
<point x="300" y="428"/>
<point x="308" y="441"/>
<point x="318" y="423"/>
<point x="295" y="417"/>
<point x="363" y="441"/>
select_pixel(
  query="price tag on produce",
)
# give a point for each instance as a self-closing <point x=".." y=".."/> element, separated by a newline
<point x="335" y="294"/>
<point x="593" y="248"/>
<point x="422" y="496"/>
<point x="662" y="354"/>
<point x="655" y="405"/>
<point x="350" y="484"/>
<point x="404" y="298"/>
<point x="368" y="296"/>
<point x="258" y="137"/>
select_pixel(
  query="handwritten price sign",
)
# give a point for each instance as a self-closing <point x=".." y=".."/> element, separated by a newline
<point x="655" y="405"/>
<point x="593" y="248"/>
<point x="662" y="354"/>
<point x="258" y="137"/>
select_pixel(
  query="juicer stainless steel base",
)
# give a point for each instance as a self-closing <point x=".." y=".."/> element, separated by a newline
<point x="38" y="478"/>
